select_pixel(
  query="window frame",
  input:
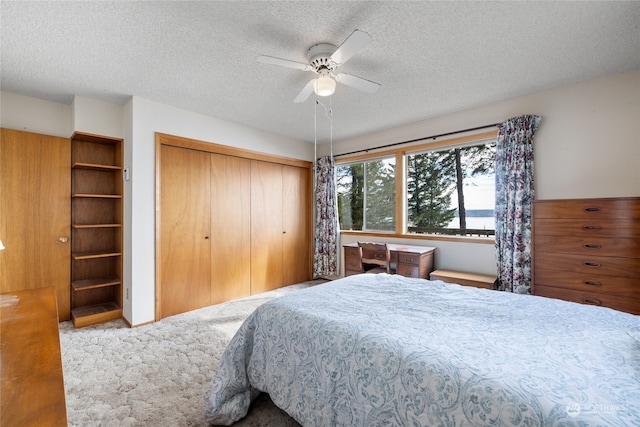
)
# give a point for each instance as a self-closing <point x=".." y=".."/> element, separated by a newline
<point x="400" y="153"/>
<point x="364" y="209"/>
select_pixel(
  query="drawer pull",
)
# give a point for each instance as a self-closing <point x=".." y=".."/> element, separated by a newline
<point x="592" y="301"/>
<point x="592" y="283"/>
<point x="591" y="264"/>
<point x="591" y="209"/>
<point x="592" y="227"/>
<point x="592" y="246"/>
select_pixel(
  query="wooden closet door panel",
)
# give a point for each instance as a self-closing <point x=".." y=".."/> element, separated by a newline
<point x="266" y="226"/>
<point x="185" y="250"/>
<point x="35" y="214"/>
<point x="296" y="211"/>
<point x="231" y="228"/>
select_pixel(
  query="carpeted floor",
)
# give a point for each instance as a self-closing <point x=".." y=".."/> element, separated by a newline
<point x="157" y="374"/>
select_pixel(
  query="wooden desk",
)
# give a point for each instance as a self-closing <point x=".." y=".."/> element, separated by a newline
<point x="32" y="387"/>
<point x="410" y="261"/>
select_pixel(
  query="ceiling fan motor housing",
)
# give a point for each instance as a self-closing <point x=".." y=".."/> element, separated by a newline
<point x="319" y="56"/>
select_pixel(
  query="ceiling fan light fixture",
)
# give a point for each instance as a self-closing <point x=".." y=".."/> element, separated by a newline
<point x="324" y="59"/>
<point x="324" y="86"/>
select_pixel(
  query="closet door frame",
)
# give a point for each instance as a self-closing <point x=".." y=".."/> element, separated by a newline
<point x="35" y="214"/>
<point x="188" y="143"/>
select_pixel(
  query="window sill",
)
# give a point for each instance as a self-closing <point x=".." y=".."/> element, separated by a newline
<point x="430" y="237"/>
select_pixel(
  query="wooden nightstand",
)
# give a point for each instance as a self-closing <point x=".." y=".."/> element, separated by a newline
<point x="464" y="278"/>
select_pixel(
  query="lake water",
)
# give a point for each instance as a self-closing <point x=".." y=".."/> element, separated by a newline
<point x="475" y="222"/>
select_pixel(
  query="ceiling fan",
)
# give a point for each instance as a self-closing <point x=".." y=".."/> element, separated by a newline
<point x="324" y="59"/>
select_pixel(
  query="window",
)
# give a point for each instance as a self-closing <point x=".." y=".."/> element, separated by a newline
<point x="444" y="188"/>
<point x="452" y="191"/>
<point x="367" y="195"/>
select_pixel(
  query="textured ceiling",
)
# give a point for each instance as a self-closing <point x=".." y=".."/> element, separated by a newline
<point x="431" y="58"/>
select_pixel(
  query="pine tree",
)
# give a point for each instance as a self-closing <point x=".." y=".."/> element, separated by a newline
<point x="429" y="189"/>
<point x="380" y="196"/>
<point x="469" y="162"/>
<point x="350" y="187"/>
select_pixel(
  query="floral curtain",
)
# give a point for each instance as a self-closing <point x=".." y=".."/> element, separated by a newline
<point x="514" y="194"/>
<point x="325" y="257"/>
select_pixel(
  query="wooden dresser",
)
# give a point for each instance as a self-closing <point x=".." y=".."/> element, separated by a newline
<point x="32" y="385"/>
<point x="588" y="251"/>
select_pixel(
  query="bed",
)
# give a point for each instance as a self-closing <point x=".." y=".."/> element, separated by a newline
<point x="385" y="350"/>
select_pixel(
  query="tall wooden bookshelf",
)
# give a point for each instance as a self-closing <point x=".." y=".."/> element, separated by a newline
<point x="96" y="229"/>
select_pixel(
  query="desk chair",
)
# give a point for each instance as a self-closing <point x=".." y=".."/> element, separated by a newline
<point x="377" y="254"/>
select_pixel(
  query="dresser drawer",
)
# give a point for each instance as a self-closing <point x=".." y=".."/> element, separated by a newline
<point x="415" y="264"/>
<point x="602" y="246"/>
<point x="623" y="228"/>
<point x="408" y="258"/>
<point x="353" y="265"/>
<point x="609" y="266"/>
<point x="408" y="270"/>
<point x="598" y="209"/>
<point x="351" y="252"/>
<point x="593" y="283"/>
<point x="629" y="305"/>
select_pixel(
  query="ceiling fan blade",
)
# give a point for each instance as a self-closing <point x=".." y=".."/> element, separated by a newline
<point x="358" y="82"/>
<point x="352" y="45"/>
<point x="283" y="62"/>
<point x="305" y="92"/>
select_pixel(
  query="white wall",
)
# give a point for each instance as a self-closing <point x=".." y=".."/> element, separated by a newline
<point x="147" y="119"/>
<point x="587" y="145"/>
<point x="127" y="267"/>
<point x="34" y="115"/>
<point x="97" y="117"/>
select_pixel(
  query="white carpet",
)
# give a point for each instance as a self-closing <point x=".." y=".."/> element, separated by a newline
<point x="156" y="374"/>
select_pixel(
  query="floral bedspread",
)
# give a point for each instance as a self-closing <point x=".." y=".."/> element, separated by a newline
<point x="384" y="350"/>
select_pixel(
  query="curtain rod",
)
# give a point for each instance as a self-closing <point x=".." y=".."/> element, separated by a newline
<point x="366" y="150"/>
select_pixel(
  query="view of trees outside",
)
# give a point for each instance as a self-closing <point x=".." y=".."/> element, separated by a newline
<point x="440" y="187"/>
<point x="429" y="190"/>
<point x="350" y="190"/>
<point x="380" y="195"/>
<point x="367" y="195"/>
<point x="436" y="190"/>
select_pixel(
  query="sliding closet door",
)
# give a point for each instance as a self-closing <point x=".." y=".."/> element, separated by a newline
<point x="266" y="226"/>
<point x="231" y="228"/>
<point x="255" y="210"/>
<point x="35" y="214"/>
<point x="296" y="210"/>
<point x="185" y="241"/>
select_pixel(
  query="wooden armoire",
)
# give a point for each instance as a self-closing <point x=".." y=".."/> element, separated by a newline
<point x="230" y="223"/>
